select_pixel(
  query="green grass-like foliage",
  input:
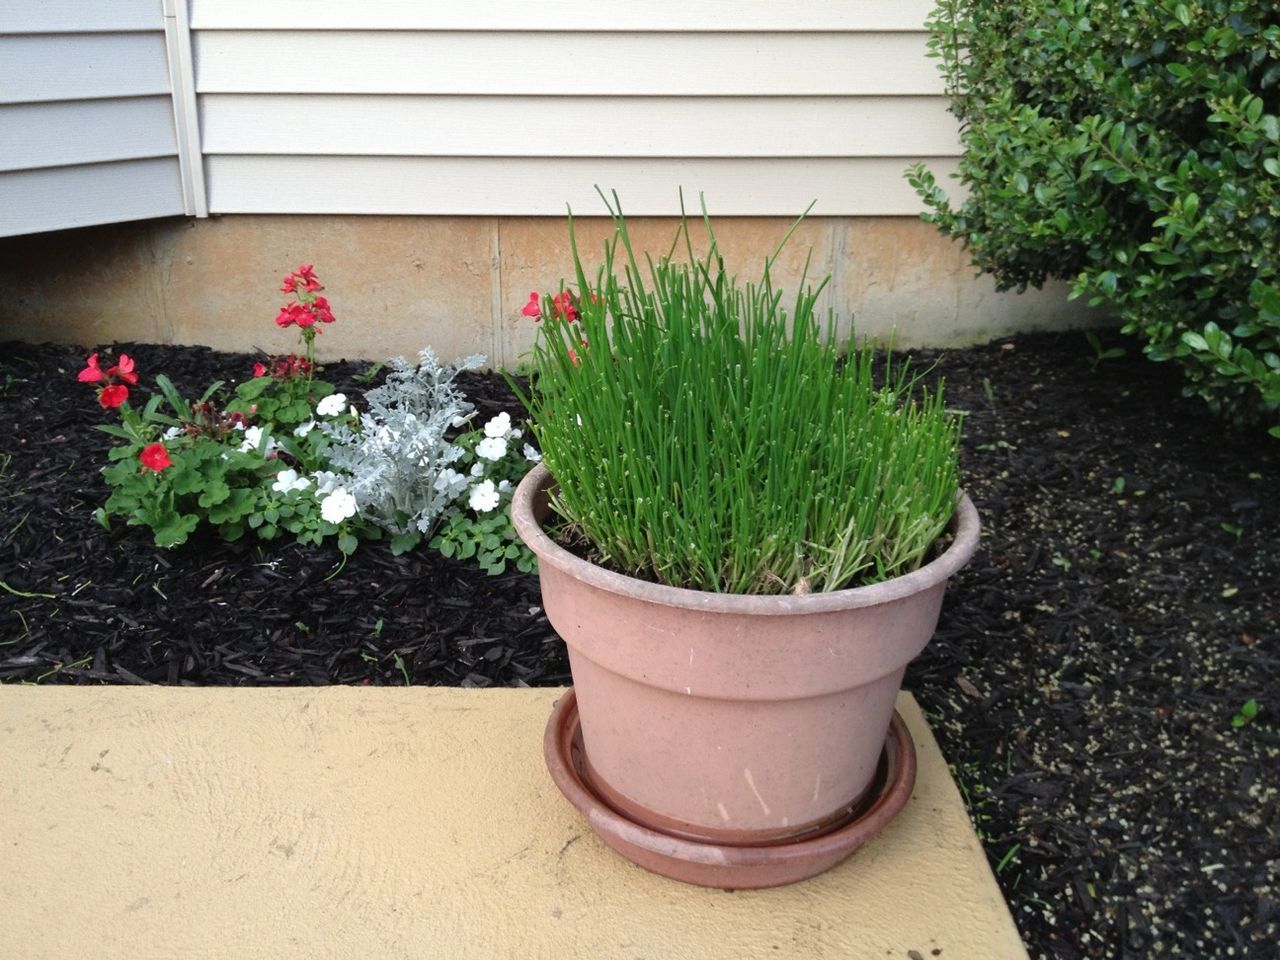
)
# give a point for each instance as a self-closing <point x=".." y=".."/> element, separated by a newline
<point x="702" y="437"/>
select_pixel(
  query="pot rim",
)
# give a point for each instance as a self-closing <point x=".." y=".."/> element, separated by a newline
<point x="964" y="525"/>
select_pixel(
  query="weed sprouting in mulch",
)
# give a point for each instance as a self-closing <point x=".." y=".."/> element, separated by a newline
<point x="1088" y="682"/>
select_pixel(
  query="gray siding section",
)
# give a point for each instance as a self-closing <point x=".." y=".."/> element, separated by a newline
<point x="87" y="132"/>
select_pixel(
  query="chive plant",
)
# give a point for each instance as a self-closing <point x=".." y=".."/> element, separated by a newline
<point x="701" y="436"/>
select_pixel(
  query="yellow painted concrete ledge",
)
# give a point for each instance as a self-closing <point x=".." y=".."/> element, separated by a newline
<point x="366" y="823"/>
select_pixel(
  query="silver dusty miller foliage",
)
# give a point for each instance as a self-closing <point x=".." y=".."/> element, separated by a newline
<point x="397" y="455"/>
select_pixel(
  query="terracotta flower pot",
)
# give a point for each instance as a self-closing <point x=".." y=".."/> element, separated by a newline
<point x="733" y="719"/>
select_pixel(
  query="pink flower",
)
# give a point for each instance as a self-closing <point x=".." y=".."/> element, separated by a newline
<point x="534" y="307"/>
<point x="298" y="313"/>
<point x="155" y="457"/>
<point x="91" y="373"/>
<point x="307" y="275"/>
<point x="289" y="284"/>
<point x="112" y="396"/>
<point x="123" y="370"/>
<point x="259" y="370"/>
<point x="564" y="306"/>
<point x="321" y="307"/>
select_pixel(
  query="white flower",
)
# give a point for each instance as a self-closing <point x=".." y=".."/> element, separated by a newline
<point x="484" y="497"/>
<point x="326" y="482"/>
<point x="499" y="426"/>
<point x="253" y="438"/>
<point x="530" y="454"/>
<point x="515" y="434"/>
<point x="504" y="486"/>
<point x="449" y="481"/>
<point x="491" y="448"/>
<point x="331" y="405"/>
<point x="477" y="469"/>
<point x="303" y="429"/>
<point x="459" y="421"/>
<point x="173" y="433"/>
<point x="338" y="506"/>
<point x="288" y="480"/>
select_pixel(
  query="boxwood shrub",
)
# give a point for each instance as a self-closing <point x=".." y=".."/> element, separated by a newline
<point x="1132" y="149"/>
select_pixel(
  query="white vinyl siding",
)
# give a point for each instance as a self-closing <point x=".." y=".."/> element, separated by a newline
<point x="482" y="185"/>
<point x="562" y="16"/>
<point x="511" y="63"/>
<point x="503" y="107"/>
<point x="87" y="128"/>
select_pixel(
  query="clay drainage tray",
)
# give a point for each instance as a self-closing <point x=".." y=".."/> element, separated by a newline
<point x="717" y="865"/>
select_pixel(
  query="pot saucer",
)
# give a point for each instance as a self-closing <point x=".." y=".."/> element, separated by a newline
<point x="717" y="865"/>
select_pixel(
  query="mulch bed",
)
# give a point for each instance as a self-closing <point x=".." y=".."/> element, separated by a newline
<point x="1123" y="606"/>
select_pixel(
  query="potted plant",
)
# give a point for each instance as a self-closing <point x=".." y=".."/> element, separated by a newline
<point x="743" y="537"/>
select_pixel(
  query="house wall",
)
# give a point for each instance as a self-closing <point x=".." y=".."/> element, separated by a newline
<point x="458" y="283"/>
<point x="422" y="155"/>
<point x="87" y="125"/>
<point x="506" y="107"/>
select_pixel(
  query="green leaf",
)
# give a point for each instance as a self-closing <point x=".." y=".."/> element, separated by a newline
<point x="1183" y="14"/>
<point x="347" y="543"/>
<point x="213" y="388"/>
<point x="404" y="542"/>
<point x="175" y="529"/>
<point x="114" y="431"/>
<point x="175" y="399"/>
<point x="1195" y="341"/>
<point x="214" y="493"/>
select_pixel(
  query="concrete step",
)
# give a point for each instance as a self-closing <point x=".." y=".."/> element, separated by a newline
<point x="342" y="822"/>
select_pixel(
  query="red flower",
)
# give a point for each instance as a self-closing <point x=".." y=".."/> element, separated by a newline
<point x="123" y="370"/>
<point x="112" y="396"/>
<point x="155" y="457"/>
<point x="91" y="373"/>
<point x="573" y="355"/>
<point x="307" y="274"/>
<point x="298" y="313"/>
<point x="289" y="284"/>
<point x="534" y="307"/>
<point x="259" y="370"/>
<point x="564" y="306"/>
<point x="321" y="307"/>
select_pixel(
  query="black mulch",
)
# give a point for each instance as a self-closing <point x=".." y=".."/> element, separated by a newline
<point x="1124" y="605"/>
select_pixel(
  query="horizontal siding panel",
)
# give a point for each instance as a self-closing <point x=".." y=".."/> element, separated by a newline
<point x="85" y="131"/>
<point x="80" y="16"/>
<point x="601" y="64"/>
<point x="541" y="187"/>
<point x="32" y="201"/>
<point x="560" y="15"/>
<point x="93" y="66"/>
<point x="580" y="126"/>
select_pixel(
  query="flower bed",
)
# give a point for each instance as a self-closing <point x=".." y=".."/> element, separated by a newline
<point x="1085" y="683"/>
